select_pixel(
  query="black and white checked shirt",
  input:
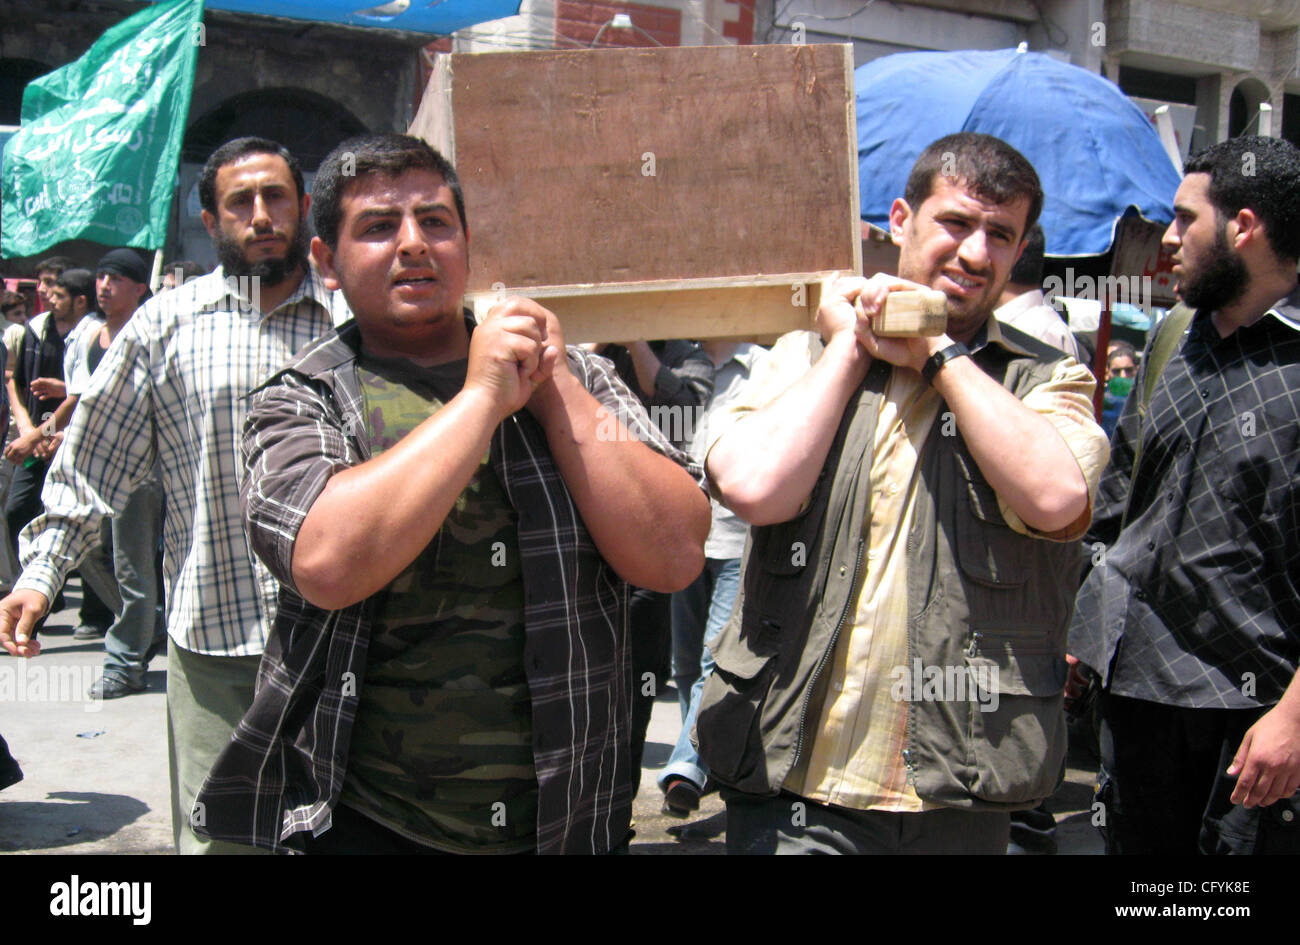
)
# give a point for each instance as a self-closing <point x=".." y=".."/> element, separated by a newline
<point x="1197" y="601"/>
<point x="285" y="765"/>
<point x="173" y="389"/>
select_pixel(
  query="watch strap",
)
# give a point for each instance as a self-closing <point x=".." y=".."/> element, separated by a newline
<point x="942" y="357"/>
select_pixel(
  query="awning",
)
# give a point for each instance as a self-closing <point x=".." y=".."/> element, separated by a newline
<point x="434" y="17"/>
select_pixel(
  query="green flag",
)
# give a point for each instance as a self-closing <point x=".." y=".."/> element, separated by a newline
<point x="97" y="152"/>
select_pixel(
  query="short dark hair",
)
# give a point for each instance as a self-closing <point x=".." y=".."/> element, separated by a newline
<point x="1261" y="174"/>
<point x="11" y="300"/>
<point x="386" y="154"/>
<point x="188" y="267"/>
<point x="232" y="151"/>
<point x="78" y="282"/>
<point x="1028" y="269"/>
<point x="1121" y="349"/>
<point x="54" y="264"/>
<point x="987" y="166"/>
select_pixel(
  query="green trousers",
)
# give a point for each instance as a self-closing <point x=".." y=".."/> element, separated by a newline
<point x="206" y="698"/>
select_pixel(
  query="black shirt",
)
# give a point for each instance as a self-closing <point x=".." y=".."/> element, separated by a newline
<point x="39" y="356"/>
<point x="1197" y="601"/>
<point x="683" y="386"/>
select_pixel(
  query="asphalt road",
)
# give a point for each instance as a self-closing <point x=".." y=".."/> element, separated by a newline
<point x="96" y="772"/>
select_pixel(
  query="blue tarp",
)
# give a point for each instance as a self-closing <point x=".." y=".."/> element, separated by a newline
<point x="436" y="17"/>
<point x="1096" y="152"/>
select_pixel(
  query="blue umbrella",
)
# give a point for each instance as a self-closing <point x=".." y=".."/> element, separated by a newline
<point x="1096" y="152"/>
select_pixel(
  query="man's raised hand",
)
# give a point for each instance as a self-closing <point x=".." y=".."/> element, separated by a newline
<point x="553" y="372"/>
<point x="506" y="354"/>
<point x="851" y="302"/>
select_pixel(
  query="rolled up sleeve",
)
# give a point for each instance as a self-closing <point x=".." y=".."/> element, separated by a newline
<point x="1066" y="400"/>
<point x="294" y="440"/>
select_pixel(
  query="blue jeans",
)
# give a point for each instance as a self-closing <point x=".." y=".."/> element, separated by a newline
<point x="131" y="588"/>
<point x="699" y="614"/>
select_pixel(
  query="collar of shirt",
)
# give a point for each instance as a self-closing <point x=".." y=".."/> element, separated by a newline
<point x="41" y="323"/>
<point x="991" y="333"/>
<point x="1287" y="310"/>
<point x="231" y="293"/>
<point x="1021" y="303"/>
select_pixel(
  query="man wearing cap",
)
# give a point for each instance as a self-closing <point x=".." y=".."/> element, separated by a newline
<point x="123" y="570"/>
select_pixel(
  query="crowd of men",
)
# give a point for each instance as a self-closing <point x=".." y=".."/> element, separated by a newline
<point x="404" y="553"/>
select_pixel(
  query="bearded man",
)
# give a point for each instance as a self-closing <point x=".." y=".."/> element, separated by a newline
<point x="172" y="393"/>
<point x="1191" y="616"/>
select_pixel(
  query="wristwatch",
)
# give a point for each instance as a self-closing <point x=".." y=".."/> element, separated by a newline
<point x="942" y="357"/>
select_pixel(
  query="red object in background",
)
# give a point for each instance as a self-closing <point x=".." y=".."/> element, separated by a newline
<point x="26" y="286"/>
<point x="741" y="29"/>
<point x="580" y="22"/>
<point x="1099" y="359"/>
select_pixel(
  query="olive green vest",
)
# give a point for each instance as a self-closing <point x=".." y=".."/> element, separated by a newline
<point x="988" y="603"/>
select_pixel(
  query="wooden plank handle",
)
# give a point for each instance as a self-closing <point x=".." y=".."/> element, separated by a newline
<point x="910" y="313"/>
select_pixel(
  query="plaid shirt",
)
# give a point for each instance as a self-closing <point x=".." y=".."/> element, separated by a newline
<point x="284" y="769"/>
<point x="172" y="389"/>
<point x="1196" y="603"/>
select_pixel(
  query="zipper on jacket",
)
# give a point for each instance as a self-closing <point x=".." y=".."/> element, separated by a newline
<point x="812" y="686"/>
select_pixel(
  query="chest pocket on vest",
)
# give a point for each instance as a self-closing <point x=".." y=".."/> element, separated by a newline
<point x="987" y="550"/>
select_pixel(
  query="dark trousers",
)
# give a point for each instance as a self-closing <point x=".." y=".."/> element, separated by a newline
<point x="352" y="833"/>
<point x="788" y="823"/>
<point x="24" y="502"/>
<point x="650" y="623"/>
<point x="1163" y="789"/>
<point x="1033" y="831"/>
<point x="93" y="612"/>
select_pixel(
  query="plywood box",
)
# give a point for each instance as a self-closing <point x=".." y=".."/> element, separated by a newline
<point x="657" y="179"/>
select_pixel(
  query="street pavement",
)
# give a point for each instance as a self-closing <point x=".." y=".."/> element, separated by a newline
<point x="96" y="772"/>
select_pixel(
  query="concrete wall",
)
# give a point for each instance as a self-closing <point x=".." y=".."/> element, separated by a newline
<point x="1226" y="47"/>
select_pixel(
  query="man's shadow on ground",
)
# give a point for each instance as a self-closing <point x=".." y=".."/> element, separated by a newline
<point x="50" y="825"/>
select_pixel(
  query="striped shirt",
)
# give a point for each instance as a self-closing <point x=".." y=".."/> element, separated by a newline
<point x="284" y="768"/>
<point x="172" y="389"/>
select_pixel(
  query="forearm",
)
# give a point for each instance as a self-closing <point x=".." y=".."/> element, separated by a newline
<point x="63" y="414"/>
<point x="647" y="366"/>
<point x="1020" y="452"/>
<point x="371" y="521"/>
<point x="645" y="513"/>
<point x="18" y="409"/>
<point x="766" y="465"/>
<point x="1289" y="704"/>
<point x="68" y="526"/>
